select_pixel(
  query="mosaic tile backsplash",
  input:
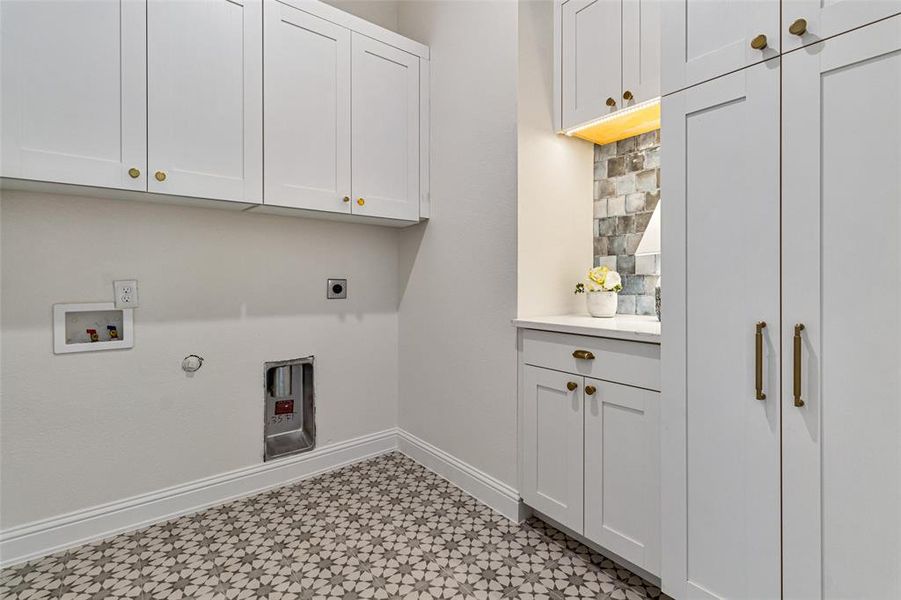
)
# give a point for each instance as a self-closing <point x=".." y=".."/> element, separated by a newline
<point x="626" y="191"/>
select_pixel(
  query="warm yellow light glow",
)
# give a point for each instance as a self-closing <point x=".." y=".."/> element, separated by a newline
<point x="622" y="124"/>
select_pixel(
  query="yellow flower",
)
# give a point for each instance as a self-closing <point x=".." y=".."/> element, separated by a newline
<point x="598" y="275"/>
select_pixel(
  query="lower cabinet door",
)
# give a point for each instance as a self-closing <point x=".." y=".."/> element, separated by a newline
<point x="622" y="492"/>
<point x="552" y="435"/>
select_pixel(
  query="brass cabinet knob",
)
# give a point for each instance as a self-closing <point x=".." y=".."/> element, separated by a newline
<point x="360" y="201"/>
<point x="611" y="102"/>
<point x="627" y="95"/>
<point x="346" y="198"/>
<point x="134" y="173"/>
<point x="583" y="354"/>
<point x="572" y="385"/>
<point x="590" y="390"/>
<point x="159" y="176"/>
<point x="799" y="27"/>
<point x="759" y="42"/>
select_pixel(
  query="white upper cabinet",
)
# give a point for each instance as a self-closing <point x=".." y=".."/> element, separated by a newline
<point x="641" y="51"/>
<point x="74" y="92"/>
<point x="703" y="39"/>
<point x="385" y="127"/>
<point x="807" y="22"/>
<point x="307" y="111"/>
<point x="204" y="98"/>
<point x="592" y="59"/>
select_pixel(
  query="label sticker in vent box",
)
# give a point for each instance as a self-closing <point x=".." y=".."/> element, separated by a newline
<point x="284" y="407"/>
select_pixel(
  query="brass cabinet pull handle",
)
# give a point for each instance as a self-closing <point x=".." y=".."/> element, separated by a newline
<point x="758" y="360"/>
<point x="134" y="173"/>
<point x="572" y="385"/>
<point x="799" y="27"/>
<point x="346" y="198"/>
<point x="160" y="176"/>
<point x="583" y="354"/>
<point x="759" y="42"/>
<point x="627" y="95"/>
<point x="797" y="365"/>
<point x="590" y="390"/>
<point x="361" y="201"/>
<point x="611" y="102"/>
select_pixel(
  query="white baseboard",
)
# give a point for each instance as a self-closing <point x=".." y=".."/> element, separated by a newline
<point x="51" y="535"/>
<point x="485" y="488"/>
<point x="40" y="538"/>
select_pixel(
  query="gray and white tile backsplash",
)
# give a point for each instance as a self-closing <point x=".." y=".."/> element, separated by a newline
<point x="626" y="190"/>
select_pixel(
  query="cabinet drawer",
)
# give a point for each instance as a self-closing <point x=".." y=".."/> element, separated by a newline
<point x="631" y="363"/>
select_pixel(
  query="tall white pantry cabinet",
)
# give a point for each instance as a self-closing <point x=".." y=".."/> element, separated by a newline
<point x="781" y="411"/>
<point x="188" y="99"/>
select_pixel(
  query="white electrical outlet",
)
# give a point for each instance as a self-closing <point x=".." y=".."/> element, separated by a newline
<point x="126" y="292"/>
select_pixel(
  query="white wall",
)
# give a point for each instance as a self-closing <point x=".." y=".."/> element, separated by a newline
<point x="238" y="289"/>
<point x="380" y="12"/>
<point x="457" y="346"/>
<point x="554" y="220"/>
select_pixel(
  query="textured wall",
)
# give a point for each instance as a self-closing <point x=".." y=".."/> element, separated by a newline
<point x="626" y="190"/>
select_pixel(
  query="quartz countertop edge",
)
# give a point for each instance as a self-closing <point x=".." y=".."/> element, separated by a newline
<point x="636" y="328"/>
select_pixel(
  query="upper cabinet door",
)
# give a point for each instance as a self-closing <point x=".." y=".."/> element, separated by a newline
<point x="385" y="130"/>
<point x="721" y="439"/>
<point x="591" y="59"/>
<point x="841" y="112"/>
<point x="74" y="92"/>
<point x="807" y="22"/>
<point x="307" y="111"/>
<point x="204" y="98"/>
<point x="551" y="444"/>
<point x="703" y="39"/>
<point x="641" y="51"/>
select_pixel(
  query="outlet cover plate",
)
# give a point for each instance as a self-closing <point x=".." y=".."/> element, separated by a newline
<point x="125" y="293"/>
<point x="337" y="289"/>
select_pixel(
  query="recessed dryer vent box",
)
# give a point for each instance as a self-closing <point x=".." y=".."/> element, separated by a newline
<point x="72" y="323"/>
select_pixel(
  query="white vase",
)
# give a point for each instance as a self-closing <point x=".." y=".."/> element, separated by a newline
<point x="601" y="304"/>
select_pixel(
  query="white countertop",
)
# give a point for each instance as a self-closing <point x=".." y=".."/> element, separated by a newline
<point x="622" y="327"/>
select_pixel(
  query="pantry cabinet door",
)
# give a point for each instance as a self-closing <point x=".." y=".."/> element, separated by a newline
<point x="592" y="59"/>
<point x="821" y="20"/>
<point x="307" y="110"/>
<point x="641" y="50"/>
<point x="704" y="39"/>
<point x="204" y="98"/>
<point x="622" y="470"/>
<point x="384" y="130"/>
<point x="721" y="498"/>
<point x="842" y="281"/>
<point x="551" y="444"/>
<point x="74" y="92"/>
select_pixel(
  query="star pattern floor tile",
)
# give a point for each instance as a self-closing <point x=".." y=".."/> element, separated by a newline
<point x="385" y="528"/>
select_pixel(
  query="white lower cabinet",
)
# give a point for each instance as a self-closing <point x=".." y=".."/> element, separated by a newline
<point x="552" y="417"/>
<point x="589" y="447"/>
<point x="622" y="457"/>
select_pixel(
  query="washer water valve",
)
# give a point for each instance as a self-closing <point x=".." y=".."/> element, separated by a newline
<point x="191" y="363"/>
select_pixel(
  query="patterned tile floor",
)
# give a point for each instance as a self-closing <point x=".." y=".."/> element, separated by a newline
<point x="383" y="528"/>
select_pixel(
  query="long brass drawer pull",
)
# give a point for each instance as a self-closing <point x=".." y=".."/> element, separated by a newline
<point x="797" y="364"/>
<point x="583" y="355"/>
<point x="758" y="360"/>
